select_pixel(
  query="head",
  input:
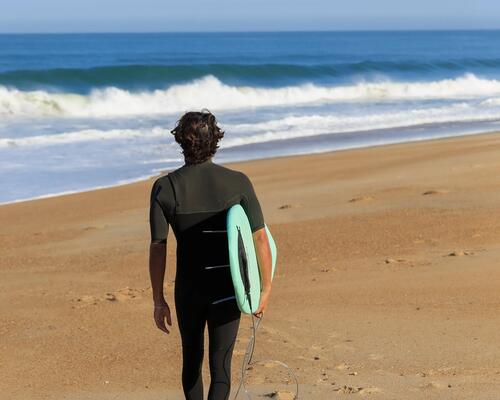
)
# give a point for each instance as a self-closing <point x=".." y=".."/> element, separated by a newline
<point x="198" y="135"/>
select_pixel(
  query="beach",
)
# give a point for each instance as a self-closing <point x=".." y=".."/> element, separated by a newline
<point x="387" y="281"/>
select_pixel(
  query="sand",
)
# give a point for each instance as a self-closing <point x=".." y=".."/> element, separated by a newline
<point x="387" y="284"/>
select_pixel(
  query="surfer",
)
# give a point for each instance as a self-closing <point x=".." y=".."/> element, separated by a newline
<point x="193" y="200"/>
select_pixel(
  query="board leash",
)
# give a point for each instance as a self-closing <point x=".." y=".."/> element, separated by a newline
<point x="247" y="359"/>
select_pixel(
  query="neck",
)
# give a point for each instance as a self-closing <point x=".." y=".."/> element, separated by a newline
<point x="208" y="160"/>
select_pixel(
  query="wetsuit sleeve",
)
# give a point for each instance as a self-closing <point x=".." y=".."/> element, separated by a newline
<point x="252" y="206"/>
<point x="158" y="217"/>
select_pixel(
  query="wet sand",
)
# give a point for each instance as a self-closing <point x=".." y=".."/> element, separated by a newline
<point x="387" y="283"/>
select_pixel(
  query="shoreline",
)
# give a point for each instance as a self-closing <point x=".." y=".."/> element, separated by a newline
<point x="149" y="177"/>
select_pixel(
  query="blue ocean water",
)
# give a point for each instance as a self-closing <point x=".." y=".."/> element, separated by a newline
<point x="80" y="111"/>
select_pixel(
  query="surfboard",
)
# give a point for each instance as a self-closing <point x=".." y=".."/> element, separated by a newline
<point x="243" y="261"/>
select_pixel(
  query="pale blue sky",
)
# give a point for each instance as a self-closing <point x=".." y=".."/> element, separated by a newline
<point x="250" y="15"/>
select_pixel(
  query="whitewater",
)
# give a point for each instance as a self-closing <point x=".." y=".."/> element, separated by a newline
<point x="76" y="118"/>
<point x="212" y="93"/>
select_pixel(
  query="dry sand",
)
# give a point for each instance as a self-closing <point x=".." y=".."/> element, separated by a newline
<point x="388" y="281"/>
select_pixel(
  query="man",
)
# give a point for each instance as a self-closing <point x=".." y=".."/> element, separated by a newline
<point x="194" y="200"/>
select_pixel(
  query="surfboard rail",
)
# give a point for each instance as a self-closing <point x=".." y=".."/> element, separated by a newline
<point x="243" y="262"/>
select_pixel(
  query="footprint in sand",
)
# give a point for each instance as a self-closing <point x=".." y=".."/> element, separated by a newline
<point x="432" y="192"/>
<point x="127" y="293"/>
<point x="280" y="395"/>
<point x="361" y="198"/>
<point x="435" y="385"/>
<point x="342" y="366"/>
<point x="110" y="297"/>
<point x="460" y="253"/>
<point x="87" y="300"/>
<point x="286" y="206"/>
<point x="348" y="389"/>
<point x="396" y="261"/>
<point x="124" y="294"/>
<point x="369" y="390"/>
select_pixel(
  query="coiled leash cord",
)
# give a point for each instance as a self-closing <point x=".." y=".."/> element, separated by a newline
<point x="247" y="361"/>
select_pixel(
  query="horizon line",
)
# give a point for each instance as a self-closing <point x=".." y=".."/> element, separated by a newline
<point x="250" y="31"/>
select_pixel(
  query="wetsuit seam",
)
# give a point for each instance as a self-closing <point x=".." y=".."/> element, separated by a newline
<point x="175" y="196"/>
<point x="218" y="209"/>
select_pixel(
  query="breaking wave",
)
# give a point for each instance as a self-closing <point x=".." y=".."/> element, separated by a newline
<point x="210" y="92"/>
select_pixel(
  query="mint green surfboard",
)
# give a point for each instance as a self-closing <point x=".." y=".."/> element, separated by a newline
<point x="243" y="259"/>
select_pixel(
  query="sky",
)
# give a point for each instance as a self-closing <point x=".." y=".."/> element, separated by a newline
<point x="26" y="16"/>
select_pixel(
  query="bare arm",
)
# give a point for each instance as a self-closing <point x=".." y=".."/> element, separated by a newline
<point x="157" y="264"/>
<point x="264" y="259"/>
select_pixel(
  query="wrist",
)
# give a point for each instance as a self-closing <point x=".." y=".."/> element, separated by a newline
<point x="159" y="302"/>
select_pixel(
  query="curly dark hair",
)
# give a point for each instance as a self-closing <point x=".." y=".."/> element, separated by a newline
<point x="198" y="135"/>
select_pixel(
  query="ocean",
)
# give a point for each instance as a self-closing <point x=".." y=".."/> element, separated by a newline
<point x="82" y="111"/>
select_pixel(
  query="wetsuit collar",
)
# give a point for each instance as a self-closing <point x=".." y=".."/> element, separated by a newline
<point x="206" y="162"/>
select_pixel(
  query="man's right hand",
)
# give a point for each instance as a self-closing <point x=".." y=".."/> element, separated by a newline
<point x="264" y="301"/>
<point x="162" y="313"/>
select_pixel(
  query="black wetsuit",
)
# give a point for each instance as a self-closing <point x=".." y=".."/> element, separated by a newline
<point x="194" y="200"/>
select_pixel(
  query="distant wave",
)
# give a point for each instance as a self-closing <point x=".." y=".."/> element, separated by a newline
<point x="86" y="135"/>
<point x="133" y="77"/>
<point x="289" y="127"/>
<point x="212" y="93"/>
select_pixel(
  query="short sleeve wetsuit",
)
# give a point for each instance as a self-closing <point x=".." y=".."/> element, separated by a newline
<point x="194" y="201"/>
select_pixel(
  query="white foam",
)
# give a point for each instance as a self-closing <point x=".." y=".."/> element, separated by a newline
<point x="303" y="126"/>
<point x="493" y="102"/>
<point x="85" y="135"/>
<point x="287" y="127"/>
<point x="211" y="93"/>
